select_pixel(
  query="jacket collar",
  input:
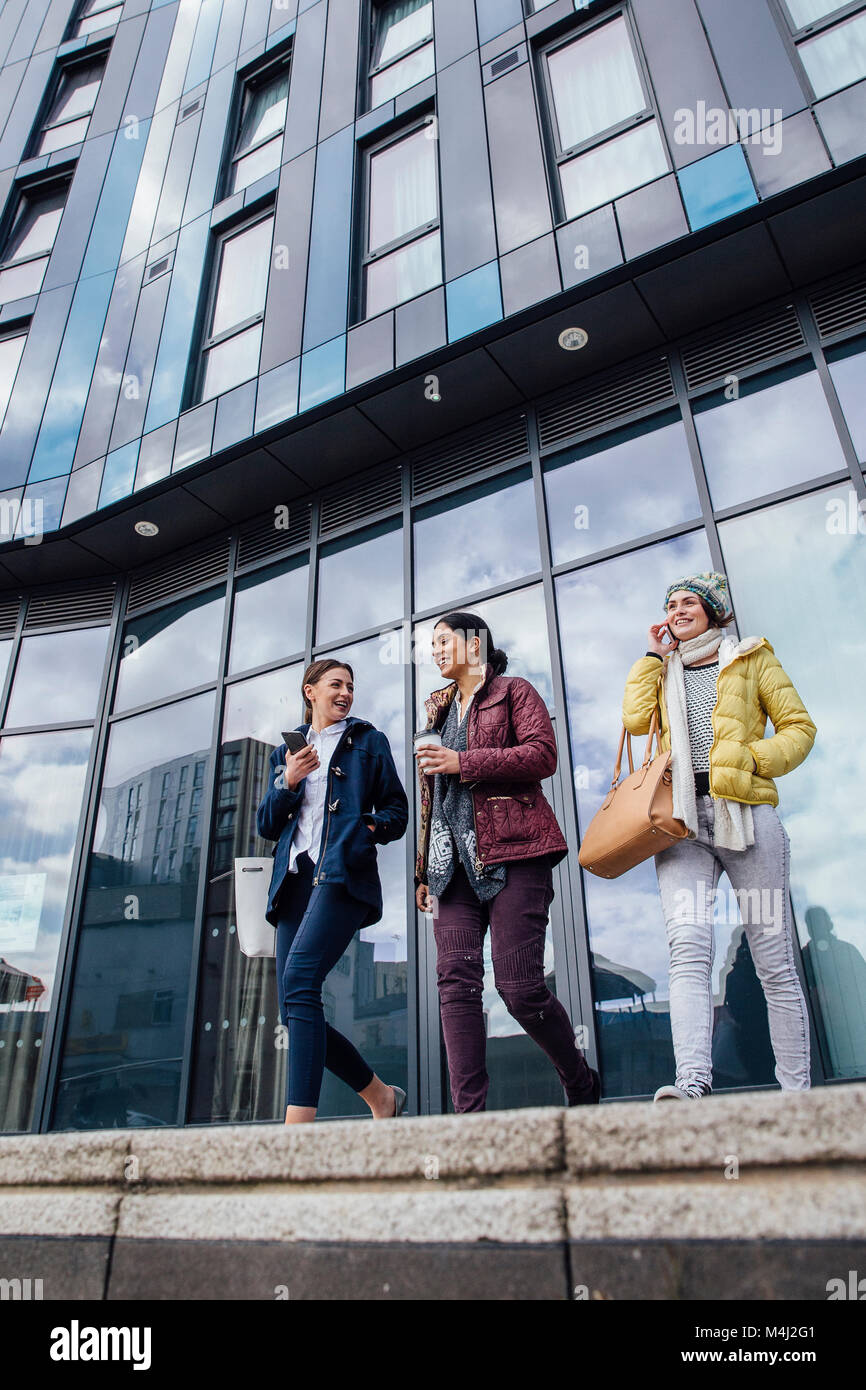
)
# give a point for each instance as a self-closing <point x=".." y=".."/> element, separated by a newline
<point x="729" y="651"/>
<point x="437" y="703"/>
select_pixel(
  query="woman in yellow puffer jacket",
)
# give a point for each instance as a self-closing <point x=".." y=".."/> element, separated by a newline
<point x="714" y="696"/>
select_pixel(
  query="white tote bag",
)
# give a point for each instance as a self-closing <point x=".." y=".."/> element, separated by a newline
<point x="256" y="936"/>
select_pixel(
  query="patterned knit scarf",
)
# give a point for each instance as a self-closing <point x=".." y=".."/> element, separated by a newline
<point x="733" y="827"/>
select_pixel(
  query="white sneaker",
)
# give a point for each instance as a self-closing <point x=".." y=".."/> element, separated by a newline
<point x="675" y="1093"/>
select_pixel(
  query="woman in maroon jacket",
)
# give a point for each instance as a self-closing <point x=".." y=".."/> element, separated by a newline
<point x="487" y="845"/>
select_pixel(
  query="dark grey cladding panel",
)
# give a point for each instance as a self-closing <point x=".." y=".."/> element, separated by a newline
<point x="256" y="15"/>
<point x="24" y="109"/>
<point x="715" y="281"/>
<point x="326" y="309"/>
<point x="116" y="80"/>
<point x="284" y="311"/>
<point x="651" y="216"/>
<point x="529" y="274"/>
<point x="469" y="236"/>
<point x="336" y="447"/>
<point x="588" y="246"/>
<point x="79" y="212"/>
<point x="517" y="160"/>
<point x="454" y="31"/>
<point x="212" y="134"/>
<point x="10" y="81"/>
<point x="234" y="416"/>
<point x="751" y="55"/>
<point x="339" y="82"/>
<point x="54" y="25"/>
<point x="308" y="52"/>
<point x="27" y="32"/>
<point x="842" y="119"/>
<point x="7" y="178"/>
<point x="108" y="381"/>
<point x="495" y="16"/>
<point x="824" y="235"/>
<point x="176" y="180"/>
<point x="370" y="350"/>
<point x="228" y="36"/>
<point x="247" y="486"/>
<point x="138" y="367"/>
<point x="420" y="325"/>
<point x="281" y="14"/>
<point x="681" y="66"/>
<point x="10" y="18"/>
<point x="618" y="324"/>
<point x="32" y="381"/>
<point x="471" y="388"/>
<point x="152" y="54"/>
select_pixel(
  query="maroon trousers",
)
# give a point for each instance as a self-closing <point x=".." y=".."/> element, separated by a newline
<point x="517" y="917"/>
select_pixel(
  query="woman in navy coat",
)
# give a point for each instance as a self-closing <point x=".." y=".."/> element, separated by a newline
<point x="327" y="806"/>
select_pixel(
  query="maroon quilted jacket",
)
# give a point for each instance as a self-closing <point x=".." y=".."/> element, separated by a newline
<point x="510" y="747"/>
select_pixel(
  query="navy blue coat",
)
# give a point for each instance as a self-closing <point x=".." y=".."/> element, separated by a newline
<point x="363" y="785"/>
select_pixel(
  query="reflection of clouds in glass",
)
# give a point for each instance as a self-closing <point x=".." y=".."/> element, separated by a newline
<point x="805" y="590"/>
<point x="771" y="439"/>
<point x="604" y="614"/>
<point x="632" y="489"/>
<point x="165" y="654"/>
<point x="360" y="586"/>
<point x="262" y="707"/>
<point x="477" y="546"/>
<point x="57" y="677"/>
<point x="519" y="626"/>
<point x="150" y="740"/>
<point x="849" y="378"/>
<point x="270" y="619"/>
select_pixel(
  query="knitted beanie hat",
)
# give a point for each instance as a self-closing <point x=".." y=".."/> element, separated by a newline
<point x="712" y="588"/>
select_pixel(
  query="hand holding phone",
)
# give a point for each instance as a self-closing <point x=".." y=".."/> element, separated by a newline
<point x="656" y="639"/>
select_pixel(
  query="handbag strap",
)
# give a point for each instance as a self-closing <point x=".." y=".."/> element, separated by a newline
<point x="625" y="742"/>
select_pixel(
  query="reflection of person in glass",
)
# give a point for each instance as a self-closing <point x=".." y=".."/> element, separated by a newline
<point x="839" y="974"/>
<point x="714" y="696"/>
<point x="327" y="806"/>
<point x="487" y="845"/>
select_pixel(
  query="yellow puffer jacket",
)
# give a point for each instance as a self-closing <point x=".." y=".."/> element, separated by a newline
<point x="751" y="687"/>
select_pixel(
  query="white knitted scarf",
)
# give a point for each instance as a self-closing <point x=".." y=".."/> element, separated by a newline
<point x="733" y="828"/>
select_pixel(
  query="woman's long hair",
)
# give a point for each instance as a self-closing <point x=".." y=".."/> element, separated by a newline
<point x="313" y="675"/>
<point x="472" y="626"/>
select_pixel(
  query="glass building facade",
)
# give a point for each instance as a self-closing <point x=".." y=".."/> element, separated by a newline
<point x="338" y="315"/>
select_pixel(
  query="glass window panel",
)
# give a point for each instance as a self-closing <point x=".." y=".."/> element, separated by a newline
<point x="22" y="280"/>
<point x="604" y="173"/>
<point x="805" y="12"/>
<point x="5" y="653"/>
<point x="10" y="355"/>
<point x="402" y="188"/>
<point x="768" y="439"/>
<point x="35" y="226"/>
<point x="243" y="276"/>
<point x="173" y="649"/>
<point x="399" y="26"/>
<point x="61" y="136"/>
<point x="360" y="584"/>
<point x="604" y="612"/>
<point x="798" y="576"/>
<point x="848" y="371"/>
<point x="232" y="361"/>
<point x="270" y="615"/>
<point x="403" y="274"/>
<point x="42" y="779"/>
<point x="595" y="83"/>
<point x="399" y="77"/>
<point x="254" y="166"/>
<point x="612" y="490"/>
<point x="57" y="677"/>
<point x="837" y="57"/>
<point x="475" y="542"/>
<point x="124" y="1048"/>
<point x="264" y="113"/>
<point x="98" y="14"/>
<point x="261" y="708"/>
<point x="77" y="94"/>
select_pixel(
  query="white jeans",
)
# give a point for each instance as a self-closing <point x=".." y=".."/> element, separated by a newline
<point x="688" y="873"/>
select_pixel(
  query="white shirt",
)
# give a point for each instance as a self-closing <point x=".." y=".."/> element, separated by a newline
<point x="311" y="815"/>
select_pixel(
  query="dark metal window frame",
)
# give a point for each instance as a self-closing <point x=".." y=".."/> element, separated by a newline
<point x="226" y="233"/>
<point x="794" y="39"/>
<point x="817" y="26"/>
<point x="31" y="191"/>
<point x="86" y="58"/>
<point x="250" y="80"/>
<point x="560" y="155"/>
<point x="366" y="257"/>
<point x="372" y="10"/>
<point x="78" y="15"/>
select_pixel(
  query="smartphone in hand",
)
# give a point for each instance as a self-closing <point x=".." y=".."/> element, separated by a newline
<point x="294" y="741"/>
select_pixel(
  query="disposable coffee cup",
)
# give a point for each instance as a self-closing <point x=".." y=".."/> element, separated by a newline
<point x="427" y="738"/>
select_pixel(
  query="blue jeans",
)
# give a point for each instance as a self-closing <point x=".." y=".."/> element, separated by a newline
<point x="688" y="874"/>
<point x="314" y="929"/>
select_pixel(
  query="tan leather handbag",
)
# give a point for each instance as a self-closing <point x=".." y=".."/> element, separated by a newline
<point x="636" y="819"/>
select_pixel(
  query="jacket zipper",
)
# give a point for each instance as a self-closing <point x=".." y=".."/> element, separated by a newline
<point x="713" y="714"/>
<point x="479" y="862"/>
